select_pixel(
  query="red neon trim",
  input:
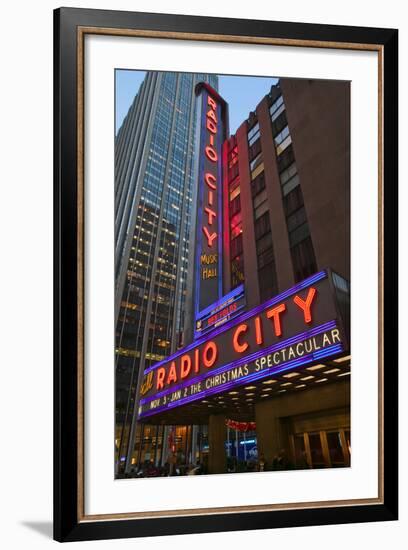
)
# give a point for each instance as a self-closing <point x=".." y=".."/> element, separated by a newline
<point x="210" y="238"/>
<point x="305" y="305"/>
<point x="239" y="348"/>
<point x="210" y="180"/>
<point x="161" y="373"/>
<point x="211" y="153"/>
<point x="210" y="360"/>
<point x="274" y="314"/>
<point x="258" y="331"/>
<point x="185" y="366"/>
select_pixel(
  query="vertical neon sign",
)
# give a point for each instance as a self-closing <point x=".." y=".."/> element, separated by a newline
<point x="208" y="260"/>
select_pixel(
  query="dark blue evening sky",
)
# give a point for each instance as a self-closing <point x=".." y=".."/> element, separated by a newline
<point x="243" y="93"/>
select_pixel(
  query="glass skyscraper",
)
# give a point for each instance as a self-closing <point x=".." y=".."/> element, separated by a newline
<point x="154" y="188"/>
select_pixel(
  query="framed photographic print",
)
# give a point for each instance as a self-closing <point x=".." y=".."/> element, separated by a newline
<point x="225" y="274"/>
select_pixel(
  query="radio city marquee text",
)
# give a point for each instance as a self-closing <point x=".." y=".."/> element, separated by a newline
<point x="210" y="180"/>
<point x="273" y="337"/>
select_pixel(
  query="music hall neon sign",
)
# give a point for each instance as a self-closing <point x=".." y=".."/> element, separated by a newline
<point x="208" y="280"/>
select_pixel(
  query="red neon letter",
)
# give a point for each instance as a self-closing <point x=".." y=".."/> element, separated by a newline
<point x="161" y="372"/>
<point x="210" y="180"/>
<point x="211" y="215"/>
<point x="210" y="238"/>
<point x="196" y="361"/>
<point x="211" y="127"/>
<point x="305" y="304"/>
<point x="172" y="376"/>
<point x="258" y="331"/>
<point x="211" y="114"/>
<point x="211" y="153"/>
<point x="210" y="198"/>
<point x="211" y="102"/>
<point x="185" y="366"/>
<point x="210" y="353"/>
<point x="274" y="313"/>
<point x="237" y="346"/>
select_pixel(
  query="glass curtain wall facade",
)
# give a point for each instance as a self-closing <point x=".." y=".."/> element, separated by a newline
<point x="154" y="184"/>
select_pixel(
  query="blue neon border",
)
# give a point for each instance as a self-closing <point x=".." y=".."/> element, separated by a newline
<point x="245" y="359"/>
<point x="296" y="363"/>
<point x="220" y="322"/>
<point x="232" y="294"/>
<point x="246" y="315"/>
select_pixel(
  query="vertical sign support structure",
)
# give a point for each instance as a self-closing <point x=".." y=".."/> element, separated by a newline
<point x="208" y="260"/>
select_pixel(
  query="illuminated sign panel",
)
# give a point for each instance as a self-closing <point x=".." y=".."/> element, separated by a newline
<point x="298" y="327"/>
<point x="208" y="259"/>
<point x="228" y="307"/>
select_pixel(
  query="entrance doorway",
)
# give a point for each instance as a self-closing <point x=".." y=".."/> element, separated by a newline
<point x="320" y="440"/>
<point x="323" y="449"/>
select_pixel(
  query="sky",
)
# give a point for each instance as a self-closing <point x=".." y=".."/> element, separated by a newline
<point x="243" y="93"/>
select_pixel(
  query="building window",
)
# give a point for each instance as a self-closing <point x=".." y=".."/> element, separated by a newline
<point x="258" y="184"/>
<point x="233" y="165"/>
<point x="253" y="134"/>
<point x="235" y="205"/>
<point x="285" y="159"/>
<point x="290" y="185"/>
<point x="277" y="113"/>
<point x="234" y="191"/>
<point x="236" y="246"/>
<point x="255" y="162"/>
<point x="296" y="219"/>
<point x="293" y="201"/>
<point x="303" y="258"/>
<point x="275" y="105"/>
<point x="282" y="135"/>
<point x="265" y="257"/>
<point x="279" y="123"/>
<point x="283" y="145"/>
<point x="254" y="149"/>
<point x="267" y="282"/>
<point x="237" y="271"/>
<point x="262" y="225"/>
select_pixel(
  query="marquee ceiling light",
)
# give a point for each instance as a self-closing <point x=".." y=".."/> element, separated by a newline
<point x="316" y="367"/>
<point x="321" y="380"/>
<point x="291" y="375"/>
<point x="342" y="359"/>
<point x="344" y="374"/>
<point x="330" y="371"/>
<point x="307" y="378"/>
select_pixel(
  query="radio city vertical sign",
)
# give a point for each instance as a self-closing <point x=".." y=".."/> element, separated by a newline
<point x="208" y="255"/>
<point x="296" y="328"/>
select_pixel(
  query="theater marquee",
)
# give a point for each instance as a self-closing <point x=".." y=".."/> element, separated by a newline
<point x="298" y="327"/>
